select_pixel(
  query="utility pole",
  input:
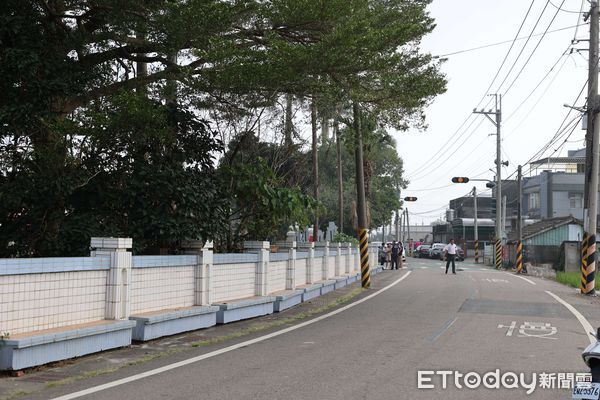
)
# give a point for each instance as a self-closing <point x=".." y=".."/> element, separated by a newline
<point x="519" y="258"/>
<point x="475" y="227"/>
<point x="498" y="123"/>
<point x="408" y="240"/>
<point x="403" y="226"/>
<point x="398" y="219"/>
<point x="363" y="235"/>
<point x="588" y="270"/>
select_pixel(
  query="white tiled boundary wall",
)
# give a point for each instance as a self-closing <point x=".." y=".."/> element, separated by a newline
<point x="111" y="284"/>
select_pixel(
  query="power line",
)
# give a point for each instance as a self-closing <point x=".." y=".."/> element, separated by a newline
<point x="443" y="147"/>
<point x="540" y="83"/>
<point x="559" y="8"/>
<point x="523" y="48"/>
<point x="505" y="41"/>
<point x="533" y="52"/>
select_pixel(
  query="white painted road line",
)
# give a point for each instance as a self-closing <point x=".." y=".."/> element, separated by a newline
<point x="587" y="327"/>
<point x="192" y="360"/>
<point x="521" y="277"/>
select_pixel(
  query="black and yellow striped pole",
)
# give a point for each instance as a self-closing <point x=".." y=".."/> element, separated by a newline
<point x="588" y="264"/>
<point x="498" y="254"/>
<point x="365" y="272"/>
<point x="476" y="251"/>
<point x="361" y="203"/>
<point x="584" y="250"/>
<point x="519" y="260"/>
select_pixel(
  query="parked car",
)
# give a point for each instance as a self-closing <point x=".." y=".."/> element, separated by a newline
<point x="423" y="251"/>
<point x="460" y="254"/>
<point x="437" y="251"/>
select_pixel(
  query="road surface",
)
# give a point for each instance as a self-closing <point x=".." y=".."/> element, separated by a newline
<point x="417" y="319"/>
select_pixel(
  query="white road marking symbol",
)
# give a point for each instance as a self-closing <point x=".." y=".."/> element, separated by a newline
<point x="495" y="280"/>
<point x="511" y="328"/>
<point x="540" y="330"/>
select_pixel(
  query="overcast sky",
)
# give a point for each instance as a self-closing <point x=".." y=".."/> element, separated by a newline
<point x="432" y="157"/>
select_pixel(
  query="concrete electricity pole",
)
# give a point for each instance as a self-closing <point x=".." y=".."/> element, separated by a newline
<point x="498" y="123"/>
<point x="475" y="227"/>
<point x="361" y="205"/>
<point x="588" y="269"/>
<point x="519" y="259"/>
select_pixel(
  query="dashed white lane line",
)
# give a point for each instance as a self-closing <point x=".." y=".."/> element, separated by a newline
<point x="521" y="277"/>
<point x="587" y="327"/>
<point x="192" y="360"/>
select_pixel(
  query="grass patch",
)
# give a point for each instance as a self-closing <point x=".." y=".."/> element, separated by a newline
<point x="15" y="395"/>
<point x="100" y="372"/>
<point x="281" y="322"/>
<point x="572" y="279"/>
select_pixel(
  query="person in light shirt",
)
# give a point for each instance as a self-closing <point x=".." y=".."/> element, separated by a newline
<point x="450" y="253"/>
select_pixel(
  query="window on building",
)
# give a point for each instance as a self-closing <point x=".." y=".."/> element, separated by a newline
<point x="534" y="201"/>
<point x="575" y="200"/>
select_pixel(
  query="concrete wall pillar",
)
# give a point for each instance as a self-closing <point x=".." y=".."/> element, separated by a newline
<point x="118" y="283"/>
<point x="204" y="253"/>
<point x="310" y="261"/>
<point x="290" y="272"/>
<point x="324" y="246"/>
<point x="349" y="261"/>
<point x="338" y="259"/>
<point x="262" y="267"/>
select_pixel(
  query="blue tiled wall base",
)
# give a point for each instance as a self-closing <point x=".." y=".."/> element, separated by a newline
<point x="311" y="292"/>
<point x="351" y="279"/>
<point x="237" y="311"/>
<point x="328" y="286"/>
<point x="288" y="300"/>
<point x="174" y="322"/>
<point x="340" y="282"/>
<point x="16" y="354"/>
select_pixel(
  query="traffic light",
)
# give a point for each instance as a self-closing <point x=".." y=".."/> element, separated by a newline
<point x="490" y="185"/>
<point x="410" y="199"/>
<point x="460" y="179"/>
<point x="493" y="207"/>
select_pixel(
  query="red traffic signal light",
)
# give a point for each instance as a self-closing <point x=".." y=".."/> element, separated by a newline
<point x="410" y="199"/>
<point x="460" y="179"/>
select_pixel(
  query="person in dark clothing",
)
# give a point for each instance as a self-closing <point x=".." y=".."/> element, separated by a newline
<point x="395" y="254"/>
<point x="450" y="252"/>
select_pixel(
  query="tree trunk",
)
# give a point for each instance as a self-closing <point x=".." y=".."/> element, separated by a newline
<point x="288" y="124"/>
<point x="315" y="160"/>
<point x="338" y="146"/>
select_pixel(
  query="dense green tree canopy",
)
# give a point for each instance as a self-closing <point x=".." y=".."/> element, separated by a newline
<point x="108" y="110"/>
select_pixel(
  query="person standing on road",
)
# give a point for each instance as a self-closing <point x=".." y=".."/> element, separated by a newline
<point x="388" y="256"/>
<point x="450" y="253"/>
<point x="395" y="254"/>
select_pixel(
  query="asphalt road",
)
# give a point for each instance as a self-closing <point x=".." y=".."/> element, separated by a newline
<point x="476" y="321"/>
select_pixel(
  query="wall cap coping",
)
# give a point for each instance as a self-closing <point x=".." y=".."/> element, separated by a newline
<point x="65" y="333"/>
<point x="111" y="243"/>
<point x="286" y="296"/>
<point x="311" y="288"/>
<point x="260" y="245"/>
<point x="245" y="303"/>
<point x="286" y="245"/>
<point x="168" y="315"/>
